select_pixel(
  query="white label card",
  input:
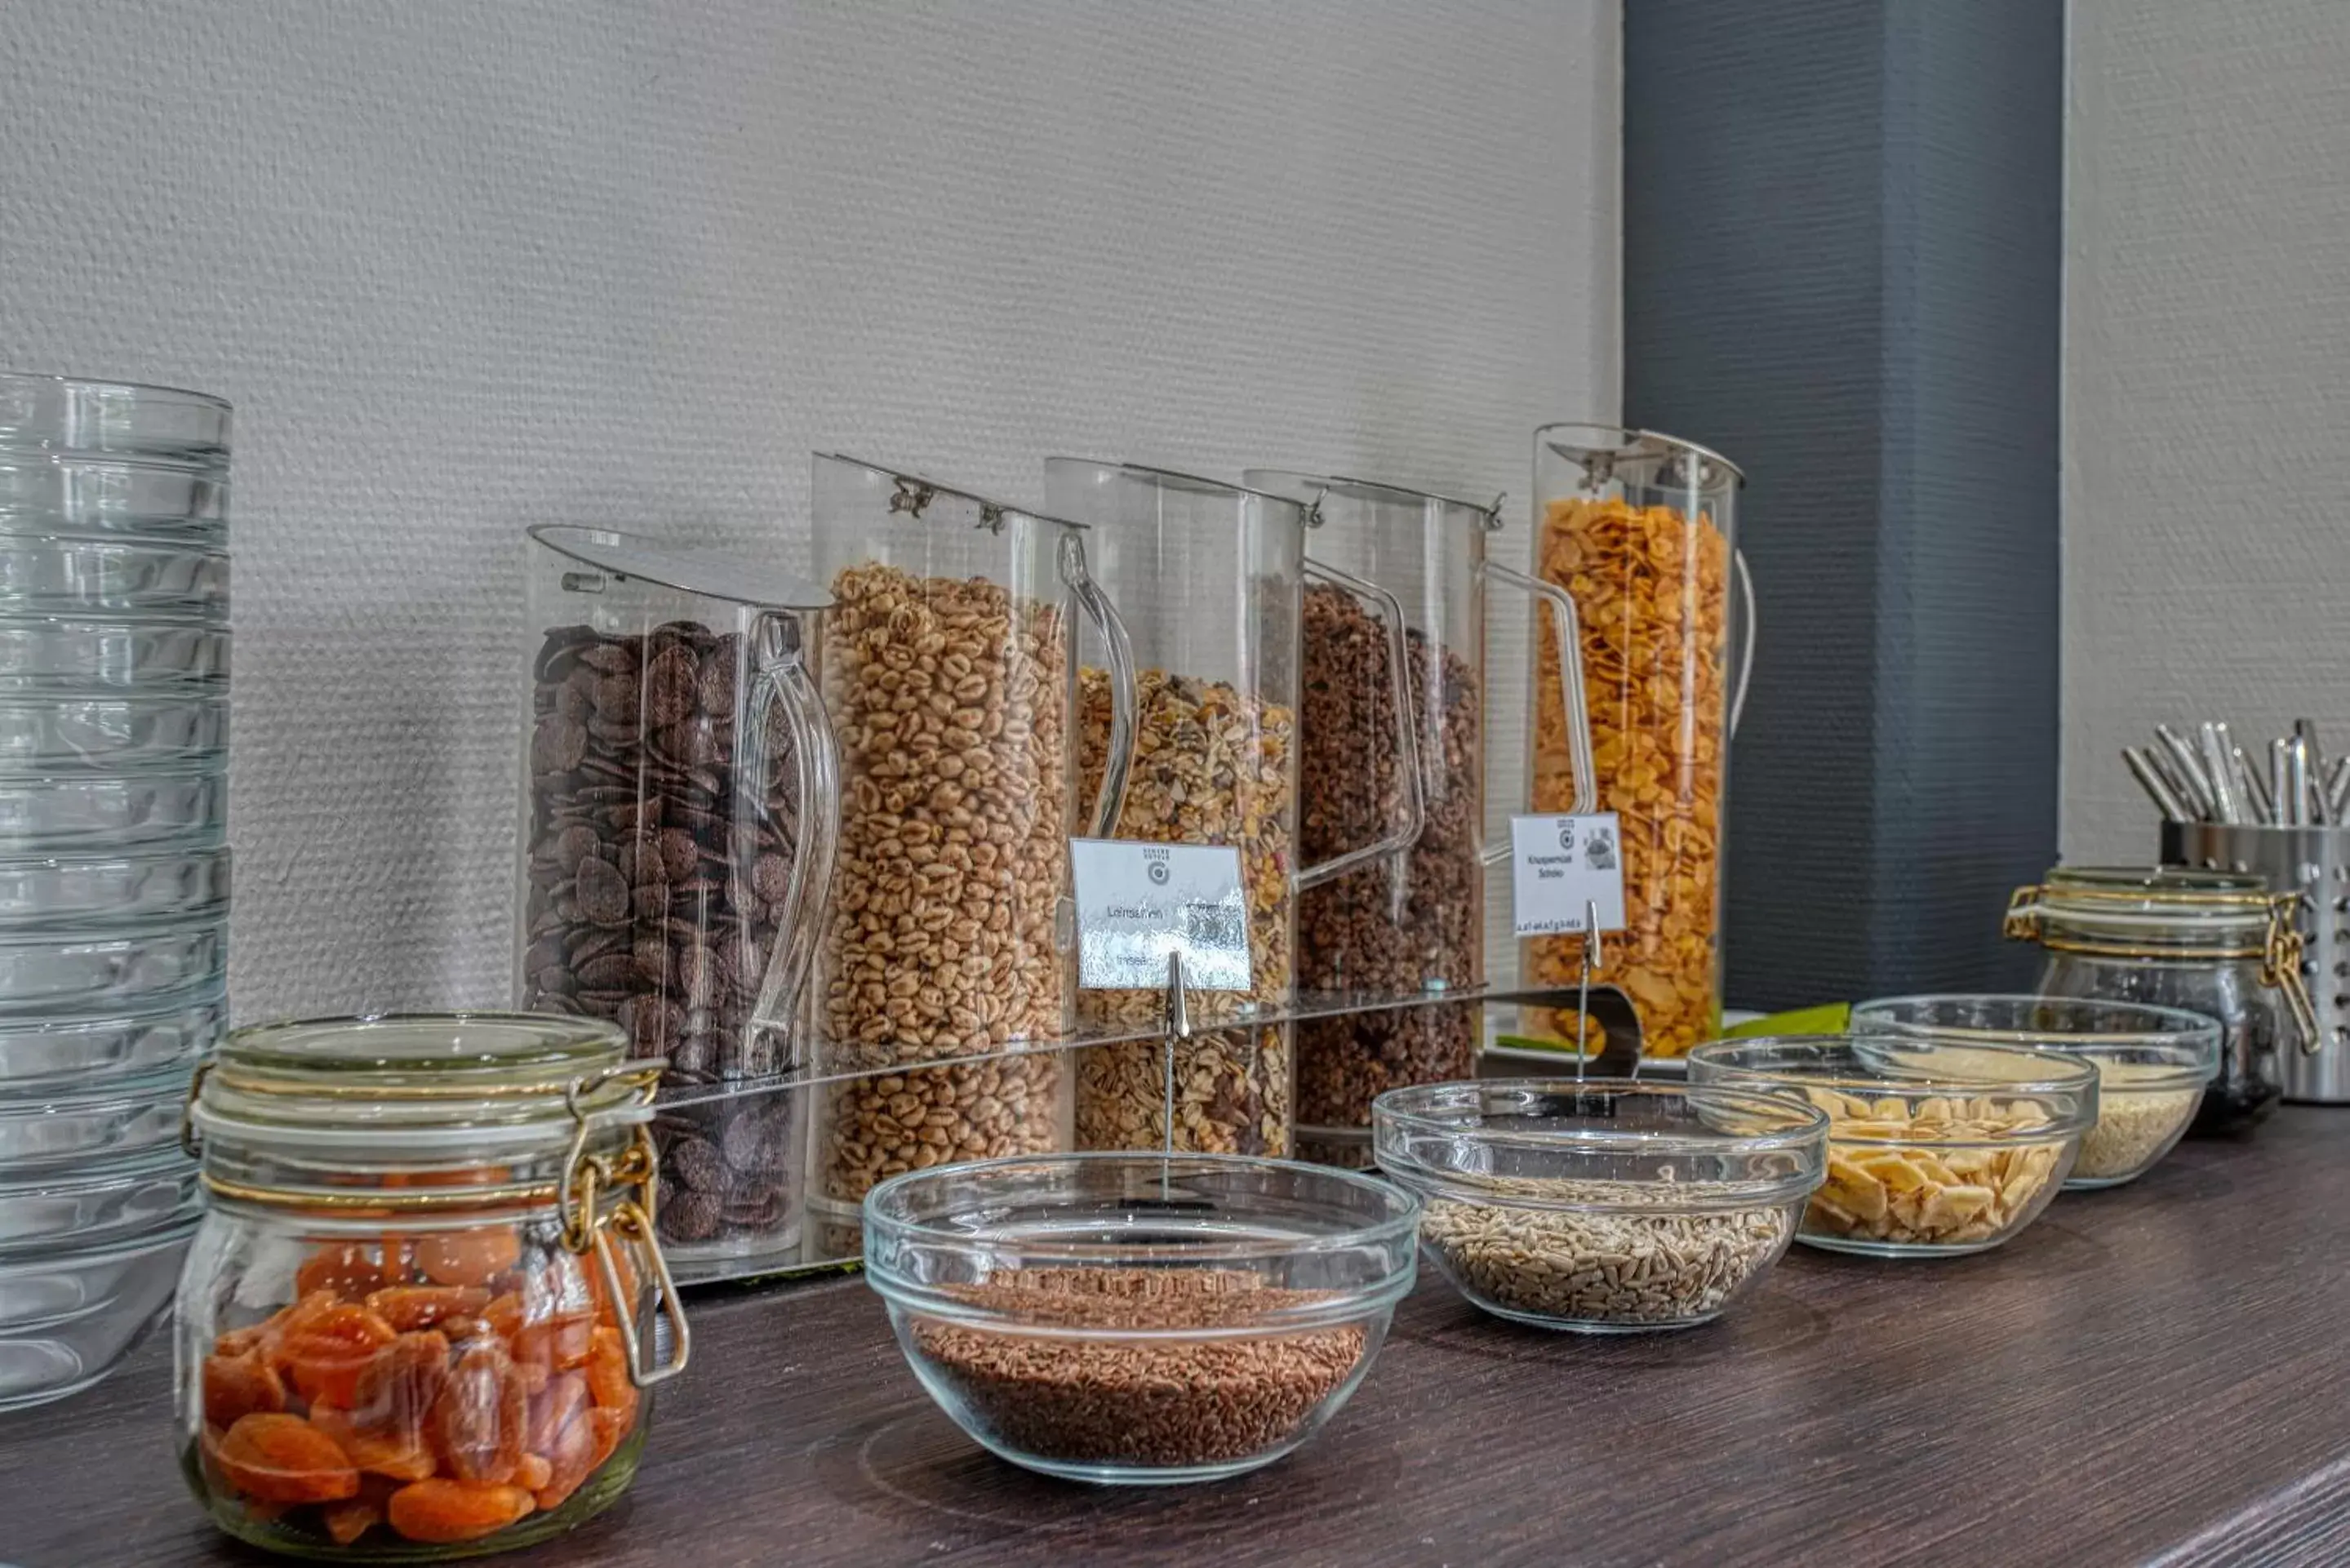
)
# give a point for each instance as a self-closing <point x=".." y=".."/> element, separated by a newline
<point x="1137" y="903"/>
<point x="1559" y="864"/>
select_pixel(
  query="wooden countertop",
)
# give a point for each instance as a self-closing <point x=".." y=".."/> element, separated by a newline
<point x="2161" y="1370"/>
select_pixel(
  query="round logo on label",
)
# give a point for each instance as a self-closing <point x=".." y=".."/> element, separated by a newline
<point x="1566" y="836"/>
<point x="1158" y="872"/>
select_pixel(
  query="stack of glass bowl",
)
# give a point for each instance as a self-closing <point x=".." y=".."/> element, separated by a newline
<point x="113" y="865"/>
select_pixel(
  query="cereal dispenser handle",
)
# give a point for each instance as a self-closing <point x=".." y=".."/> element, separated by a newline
<point x="1573" y="699"/>
<point x="1745" y="575"/>
<point x="781" y="679"/>
<point x="1415" y="806"/>
<point x="1096" y="606"/>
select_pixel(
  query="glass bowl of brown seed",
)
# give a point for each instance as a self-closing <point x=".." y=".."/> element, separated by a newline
<point x="1128" y="1318"/>
<point x="2152" y="1062"/>
<point x="1604" y="1205"/>
<point x="1936" y="1148"/>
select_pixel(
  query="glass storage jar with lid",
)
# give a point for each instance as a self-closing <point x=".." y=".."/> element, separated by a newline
<point x="2214" y="942"/>
<point x="417" y="1320"/>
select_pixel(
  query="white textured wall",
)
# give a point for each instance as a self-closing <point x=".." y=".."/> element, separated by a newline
<point x="2207" y="570"/>
<point x="466" y="266"/>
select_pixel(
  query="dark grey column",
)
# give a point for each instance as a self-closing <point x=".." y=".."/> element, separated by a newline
<point x="1842" y="242"/>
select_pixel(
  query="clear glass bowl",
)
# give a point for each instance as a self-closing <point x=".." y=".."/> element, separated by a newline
<point x="66" y="574"/>
<point x="94" y="1202"/>
<point x="1934" y="1149"/>
<point x="94" y="890"/>
<point x="107" y="813"/>
<point x="1139" y="1317"/>
<point x="81" y="1124"/>
<point x="1603" y="1206"/>
<point x="69" y="1316"/>
<point x="153" y="500"/>
<point x="54" y="416"/>
<point x="110" y="732"/>
<point x="76" y="656"/>
<point x="2153" y="1063"/>
<point x="38" y="1048"/>
<point x="87" y="975"/>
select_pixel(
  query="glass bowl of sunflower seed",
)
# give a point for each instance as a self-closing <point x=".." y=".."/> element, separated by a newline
<point x="1605" y="1205"/>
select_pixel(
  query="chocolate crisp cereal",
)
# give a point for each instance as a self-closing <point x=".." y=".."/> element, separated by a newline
<point x="1405" y="923"/>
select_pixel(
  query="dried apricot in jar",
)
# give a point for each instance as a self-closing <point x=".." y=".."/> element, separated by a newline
<point x="447" y="1510"/>
<point x="407" y="1307"/>
<point x="279" y="1458"/>
<point x="467" y="1257"/>
<point x="347" y="1521"/>
<point x="238" y="1386"/>
<point x="552" y="1411"/>
<point x="482" y="1412"/>
<point x="395" y="1456"/>
<point x="571" y="1457"/>
<point x="560" y="1341"/>
<point x="608" y="1372"/>
<point x="345" y="1269"/>
<point x="326" y="1353"/>
<point x="396" y="1390"/>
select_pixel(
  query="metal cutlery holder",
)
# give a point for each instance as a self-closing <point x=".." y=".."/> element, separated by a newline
<point x="2315" y="863"/>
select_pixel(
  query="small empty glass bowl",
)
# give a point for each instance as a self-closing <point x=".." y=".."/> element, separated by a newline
<point x="37" y="1048"/>
<point x="97" y="1202"/>
<point x="1607" y="1205"/>
<point x="1139" y="1317"/>
<point x="82" y="1124"/>
<point x="110" y="732"/>
<point x="111" y="891"/>
<point x="64" y="572"/>
<point x="75" y="657"/>
<point x="69" y="1314"/>
<point x="59" y="973"/>
<point x="2153" y="1063"/>
<point x="1934" y="1149"/>
<point x="70" y="814"/>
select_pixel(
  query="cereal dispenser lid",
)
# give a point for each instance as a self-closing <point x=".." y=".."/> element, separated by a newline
<point x="1588" y="443"/>
<point x="707" y="574"/>
<point x="1488" y="513"/>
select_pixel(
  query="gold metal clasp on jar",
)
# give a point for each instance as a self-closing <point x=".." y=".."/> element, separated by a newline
<point x="2281" y="966"/>
<point x="2022" y="923"/>
<point x="617" y="1192"/>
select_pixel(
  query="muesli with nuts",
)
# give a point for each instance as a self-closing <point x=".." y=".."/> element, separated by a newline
<point x="1212" y="766"/>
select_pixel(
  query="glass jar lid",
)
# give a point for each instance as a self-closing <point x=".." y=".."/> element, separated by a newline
<point x="2157" y="904"/>
<point x="414" y="1085"/>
